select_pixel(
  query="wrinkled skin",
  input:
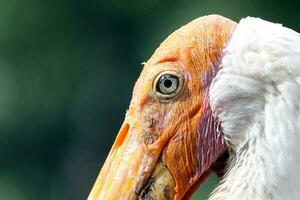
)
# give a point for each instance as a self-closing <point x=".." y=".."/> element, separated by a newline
<point x="181" y="134"/>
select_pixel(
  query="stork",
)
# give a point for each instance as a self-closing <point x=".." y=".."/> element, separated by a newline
<point x="216" y="96"/>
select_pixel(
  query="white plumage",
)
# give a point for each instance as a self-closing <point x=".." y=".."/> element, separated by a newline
<point x="256" y="96"/>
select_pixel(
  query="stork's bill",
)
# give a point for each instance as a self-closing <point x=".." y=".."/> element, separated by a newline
<point x="170" y="141"/>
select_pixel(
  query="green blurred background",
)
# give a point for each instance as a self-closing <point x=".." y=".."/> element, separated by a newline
<point x="67" y="69"/>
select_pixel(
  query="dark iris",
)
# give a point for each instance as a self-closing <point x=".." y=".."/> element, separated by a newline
<point x="167" y="84"/>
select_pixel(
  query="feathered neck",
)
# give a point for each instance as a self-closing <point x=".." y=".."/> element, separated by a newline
<point x="256" y="96"/>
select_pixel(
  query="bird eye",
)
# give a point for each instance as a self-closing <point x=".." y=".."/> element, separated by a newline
<point x="168" y="85"/>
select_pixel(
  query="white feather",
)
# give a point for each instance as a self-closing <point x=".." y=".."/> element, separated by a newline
<point x="256" y="96"/>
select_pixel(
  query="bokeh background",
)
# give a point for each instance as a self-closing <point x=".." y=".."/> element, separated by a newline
<point x="67" y="68"/>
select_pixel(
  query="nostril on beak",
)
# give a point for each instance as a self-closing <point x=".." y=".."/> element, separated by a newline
<point x="121" y="135"/>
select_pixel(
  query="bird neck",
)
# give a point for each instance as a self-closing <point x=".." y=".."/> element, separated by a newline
<point x="256" y="97"/>
<point x="266" y="165"/>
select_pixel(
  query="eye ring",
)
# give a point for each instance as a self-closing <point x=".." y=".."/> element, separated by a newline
<point x="167" y="85"/>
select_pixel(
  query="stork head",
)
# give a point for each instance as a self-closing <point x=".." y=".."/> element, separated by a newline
<point x="170" y="141"/>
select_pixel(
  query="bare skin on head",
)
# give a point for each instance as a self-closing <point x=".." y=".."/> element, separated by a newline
<point x="169" y="139"/>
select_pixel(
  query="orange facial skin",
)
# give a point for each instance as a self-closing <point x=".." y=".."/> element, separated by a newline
<point x="181" y="131"/>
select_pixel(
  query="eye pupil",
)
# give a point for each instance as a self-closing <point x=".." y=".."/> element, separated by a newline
<point x="168" y="83"/>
